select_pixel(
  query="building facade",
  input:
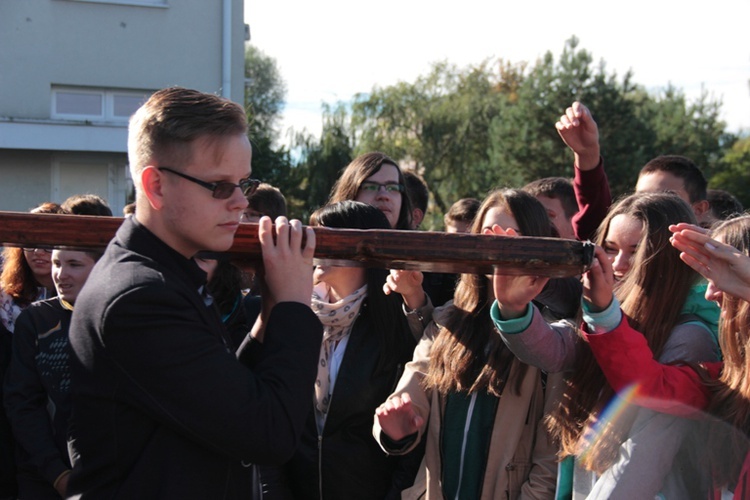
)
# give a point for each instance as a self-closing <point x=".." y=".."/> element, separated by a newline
<point x="73" y="71"/>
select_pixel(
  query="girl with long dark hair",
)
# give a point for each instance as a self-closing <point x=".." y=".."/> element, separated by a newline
<point x="637" y="455"/>
<point x="721" y="388"/>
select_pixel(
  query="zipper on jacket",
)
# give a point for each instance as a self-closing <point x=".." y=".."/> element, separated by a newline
<point x="467" y="425"/>
<point x="320" y="465"/>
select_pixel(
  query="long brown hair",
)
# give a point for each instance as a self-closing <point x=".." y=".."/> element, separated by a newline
<point x="362" y="167"/>
<point x="17" y="279"/>
<point x="652" y="296"/>
<point x="468" y="354"/>
<point x="731" y="393"/>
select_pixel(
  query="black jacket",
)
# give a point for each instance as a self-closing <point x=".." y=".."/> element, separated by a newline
<point x="351" y="463"/>
<point x="161" y="406"/>
<point x="37" y="392"/>
<point x="8" y="487"/>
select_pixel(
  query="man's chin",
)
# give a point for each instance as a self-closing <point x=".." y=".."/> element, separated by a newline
<point x="220" y="244"/>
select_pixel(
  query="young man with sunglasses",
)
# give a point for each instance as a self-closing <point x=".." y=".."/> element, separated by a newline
<point x="162" y="408"/>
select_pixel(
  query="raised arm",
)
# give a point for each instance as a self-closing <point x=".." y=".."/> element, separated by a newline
<point x="417" y="305"/>
<point x="409" y="285"/>
<point x="625" y="357"/>
<point x="580" y="133"/>
<point x="521" y="326"/>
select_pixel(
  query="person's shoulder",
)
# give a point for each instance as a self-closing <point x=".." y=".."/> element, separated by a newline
<point x="41" y="309"/>
<point x="691" y="341"/>
<point x="42" y="316"/>
<point x="120" y="283"/>
<point x="38" y="307"/>
<point x="50" y="303"/>
<point x="441" y="313"/>
<point x="122" y="269"/>
<point x="691" y="331"/>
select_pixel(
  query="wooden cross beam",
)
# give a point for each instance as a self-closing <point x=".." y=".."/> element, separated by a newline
<point x="390" y="249"/>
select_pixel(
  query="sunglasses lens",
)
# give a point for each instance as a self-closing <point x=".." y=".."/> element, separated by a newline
<point x="224" y="190"/>
<point x="249" y="186"/>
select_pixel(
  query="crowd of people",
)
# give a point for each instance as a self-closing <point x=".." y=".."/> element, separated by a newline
<point x="157" y="368"/>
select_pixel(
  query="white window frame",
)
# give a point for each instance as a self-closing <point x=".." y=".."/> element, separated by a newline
<point x="138" y="3"/>
<point x="107" y="97"/>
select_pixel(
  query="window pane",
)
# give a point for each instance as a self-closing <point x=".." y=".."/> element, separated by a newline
<point x="126" y="105"/>
<point x="70" y="103"/>
<point x="126" y="2"/>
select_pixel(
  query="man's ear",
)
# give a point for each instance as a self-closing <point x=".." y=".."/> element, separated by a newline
<point x="151" y="180"/>
<point x="700" y="208"/>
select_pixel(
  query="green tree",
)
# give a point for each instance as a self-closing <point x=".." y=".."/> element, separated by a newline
<point x="265" y="91"/>
<point x="524" y="143"/>
<point x="438" y="125"/>
<point x="468" y="130"/>
<point x="322" y="159"/>
<point x="691" y="129"/>
<point x="735" y="171"/>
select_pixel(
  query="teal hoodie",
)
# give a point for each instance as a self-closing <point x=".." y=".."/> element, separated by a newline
<point x="707" y="311"/>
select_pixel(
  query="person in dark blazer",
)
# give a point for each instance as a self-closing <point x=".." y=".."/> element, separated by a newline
<point x="367" y="340"/>
<point x="162" y="408"/>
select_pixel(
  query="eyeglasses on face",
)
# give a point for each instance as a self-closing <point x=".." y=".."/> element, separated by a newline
<point x="32" y="250"/>
<point x="250" y="215"/>
<point x="374" y="187"/>
<point x="220" y="190"/>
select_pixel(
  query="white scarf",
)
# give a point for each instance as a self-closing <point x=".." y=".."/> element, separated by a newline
<point x="338" y="319"/>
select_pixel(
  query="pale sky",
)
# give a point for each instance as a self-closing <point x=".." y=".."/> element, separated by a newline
<point x="329" y="50"/>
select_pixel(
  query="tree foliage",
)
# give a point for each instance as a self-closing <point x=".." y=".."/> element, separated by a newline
<point x="469" y="130"/>
<point x="734" y="174"/>
<point x="265" y="91"/>
<point x="439" y="124"/>
<point x="322" y="160"/>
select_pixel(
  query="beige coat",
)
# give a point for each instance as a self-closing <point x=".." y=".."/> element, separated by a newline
<point x="521" y="462"/>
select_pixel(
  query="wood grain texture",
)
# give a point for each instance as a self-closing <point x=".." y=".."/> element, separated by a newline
<point x="391" y="249"/>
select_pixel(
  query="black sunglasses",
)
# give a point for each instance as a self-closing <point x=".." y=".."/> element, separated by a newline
<point x="220" y="190"/>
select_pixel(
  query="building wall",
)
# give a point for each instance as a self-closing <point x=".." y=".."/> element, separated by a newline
<point x="122" y="45"/>
<point x="30" y="169"/>
<point x="73" y="42"/>
<point x="30" y="178"/>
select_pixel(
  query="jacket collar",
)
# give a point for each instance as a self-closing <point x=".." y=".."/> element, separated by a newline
<point x="136" y="237"/>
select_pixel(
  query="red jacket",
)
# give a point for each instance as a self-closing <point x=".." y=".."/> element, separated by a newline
<point x="627" y="361"/>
